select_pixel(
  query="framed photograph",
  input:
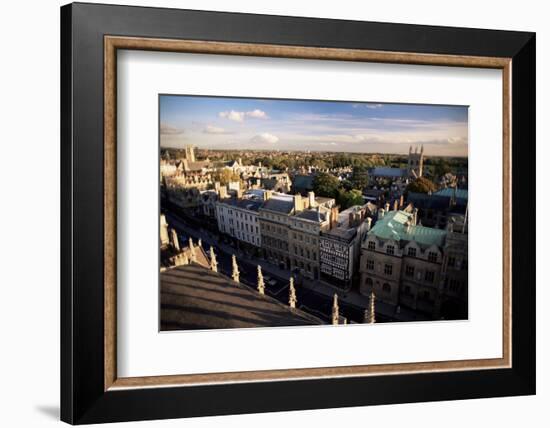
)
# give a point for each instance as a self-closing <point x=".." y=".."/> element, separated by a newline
<point x="266" y="213"/>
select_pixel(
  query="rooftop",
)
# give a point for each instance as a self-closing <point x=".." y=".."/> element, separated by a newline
<point x="193" y="297"/>
<point x="392" y="226"/>
<point x="459" y="194"/>
<point x="313" y="215"/>
<point x="388" y="172"/>
<point x="280" y="203"/>
<point x="426" y="201"/>
<point x="246" y="204"/>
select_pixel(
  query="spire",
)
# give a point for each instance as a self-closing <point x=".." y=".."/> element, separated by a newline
<point x="213" y="261"/>
<point x="372" y="313"/>
<point x="261" y="285"/>
<point x="174" y="239"/>
<point x="192" y="250"/>
<point x="335" y="310"/>
<point x="235" y="269"/>
<point x="366" y="316"/>
<point x="292" y="294"/>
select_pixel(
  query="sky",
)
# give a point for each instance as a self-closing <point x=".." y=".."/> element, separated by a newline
<point x="277" y="124"/>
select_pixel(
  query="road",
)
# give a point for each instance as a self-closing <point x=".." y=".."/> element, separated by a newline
<point x="309" y="301"/>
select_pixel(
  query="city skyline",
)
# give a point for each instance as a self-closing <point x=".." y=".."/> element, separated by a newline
<point x="227" y="123"/>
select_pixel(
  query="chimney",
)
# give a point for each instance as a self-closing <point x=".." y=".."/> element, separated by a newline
<point x="351" y="219"/>
<point x="387" y="207"/>
<point x="401" y="201"/>
<point x="298" y="204"/>
<point x="223" y="192"/>
<point x="381" y="213"/>
<point x="415" y="216"/>
<point x="369" y="223"/>
<point x="311" y="199"/>
<point x="407" y="226"/>
<point x="164" y="237"/>
<point x="217" y="186"/>
<point x="240" y="161"/>
<point x="267" y="194"/>
<point x="333" y="216"/>
<point x="395" y="205"/>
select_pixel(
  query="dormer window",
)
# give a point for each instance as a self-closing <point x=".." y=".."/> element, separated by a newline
<point x="372" y="245"/>
<point x="412" y="252"/>
<point x="390" y="249"/>
<point x="432" y="257"/>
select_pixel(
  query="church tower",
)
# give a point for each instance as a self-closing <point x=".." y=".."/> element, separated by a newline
<point x="415" y="165"/>
<point x="190" y="153"/>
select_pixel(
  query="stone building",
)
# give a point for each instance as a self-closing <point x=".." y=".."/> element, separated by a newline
<point x="239" y="218"/>
<point x="274" y="216"/>
<point x="306" y="225"/>
<point x="340" y="245"/>
<point x="415" y="164"/>
<point x="407" y="265"/>
<point x="281" y="214"/>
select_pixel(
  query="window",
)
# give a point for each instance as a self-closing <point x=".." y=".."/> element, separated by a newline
<point x="390" y="249"/>
<point x="368" y="282"/>
<point x="429" y="276"/>
<point x="409" y="270"/>
<point x="372" y="245"/>
<point x="386" y="288"/>
<point x="412" y="252"/>
<point x="432" y="257"/>
<point x="370" y="264"/>
<point x="388" y="269"/>
<point x="407" y="290"/>
<point x="451" y="262"/>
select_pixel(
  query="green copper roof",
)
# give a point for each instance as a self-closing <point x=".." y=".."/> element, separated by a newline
<point x="392" y="226"/>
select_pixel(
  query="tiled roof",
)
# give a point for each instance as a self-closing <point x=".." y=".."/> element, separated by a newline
<point x="392" y="226"/>
<point x="193" y="297"/>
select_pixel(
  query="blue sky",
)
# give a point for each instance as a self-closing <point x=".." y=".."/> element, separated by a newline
<point x="246" y="123"/>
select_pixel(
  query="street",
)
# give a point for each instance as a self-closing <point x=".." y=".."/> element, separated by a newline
<point x="309" y="301"/>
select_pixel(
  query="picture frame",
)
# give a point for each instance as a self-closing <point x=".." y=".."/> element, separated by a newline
<point x="91" y="391"/>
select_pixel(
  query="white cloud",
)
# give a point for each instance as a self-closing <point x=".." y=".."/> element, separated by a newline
<point x="211" y="129"/>
<point x="257" y="114"/>
<point x="166" y="129"/>
<point x="239" y="116"/>
<point x="265" y="137"/>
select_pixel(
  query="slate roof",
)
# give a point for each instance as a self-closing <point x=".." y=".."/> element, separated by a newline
<point x="193" y="297"/>
<point x="312" y="215"/>
<point x="388" y="172"/>
<point x="303" y="182"/>
<point x="461" y="195"/>
<point x="392" y="226"/>
<point x="425" y="201"/>
<point x="247" y="204"/>
<point x="278" y="204"/>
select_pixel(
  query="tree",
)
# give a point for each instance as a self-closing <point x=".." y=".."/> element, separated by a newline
<point x="349" y="199"/>
<point x="360" y="177"/>
<point x="441" y="167"/>
<point x="326" y="185"/>
<point x="225" y="175"/>
<point x="421" y="185"/>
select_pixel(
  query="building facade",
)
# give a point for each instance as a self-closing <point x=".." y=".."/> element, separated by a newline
<point x="239" y="218"/>
<point x="408" y="265"/>
<point x="340" y="245"/>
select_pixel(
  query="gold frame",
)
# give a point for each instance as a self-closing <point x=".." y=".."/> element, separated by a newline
<point x="112" y="43"/>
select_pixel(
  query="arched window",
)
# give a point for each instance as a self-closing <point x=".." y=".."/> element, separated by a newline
<point x="386" y="287"/>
